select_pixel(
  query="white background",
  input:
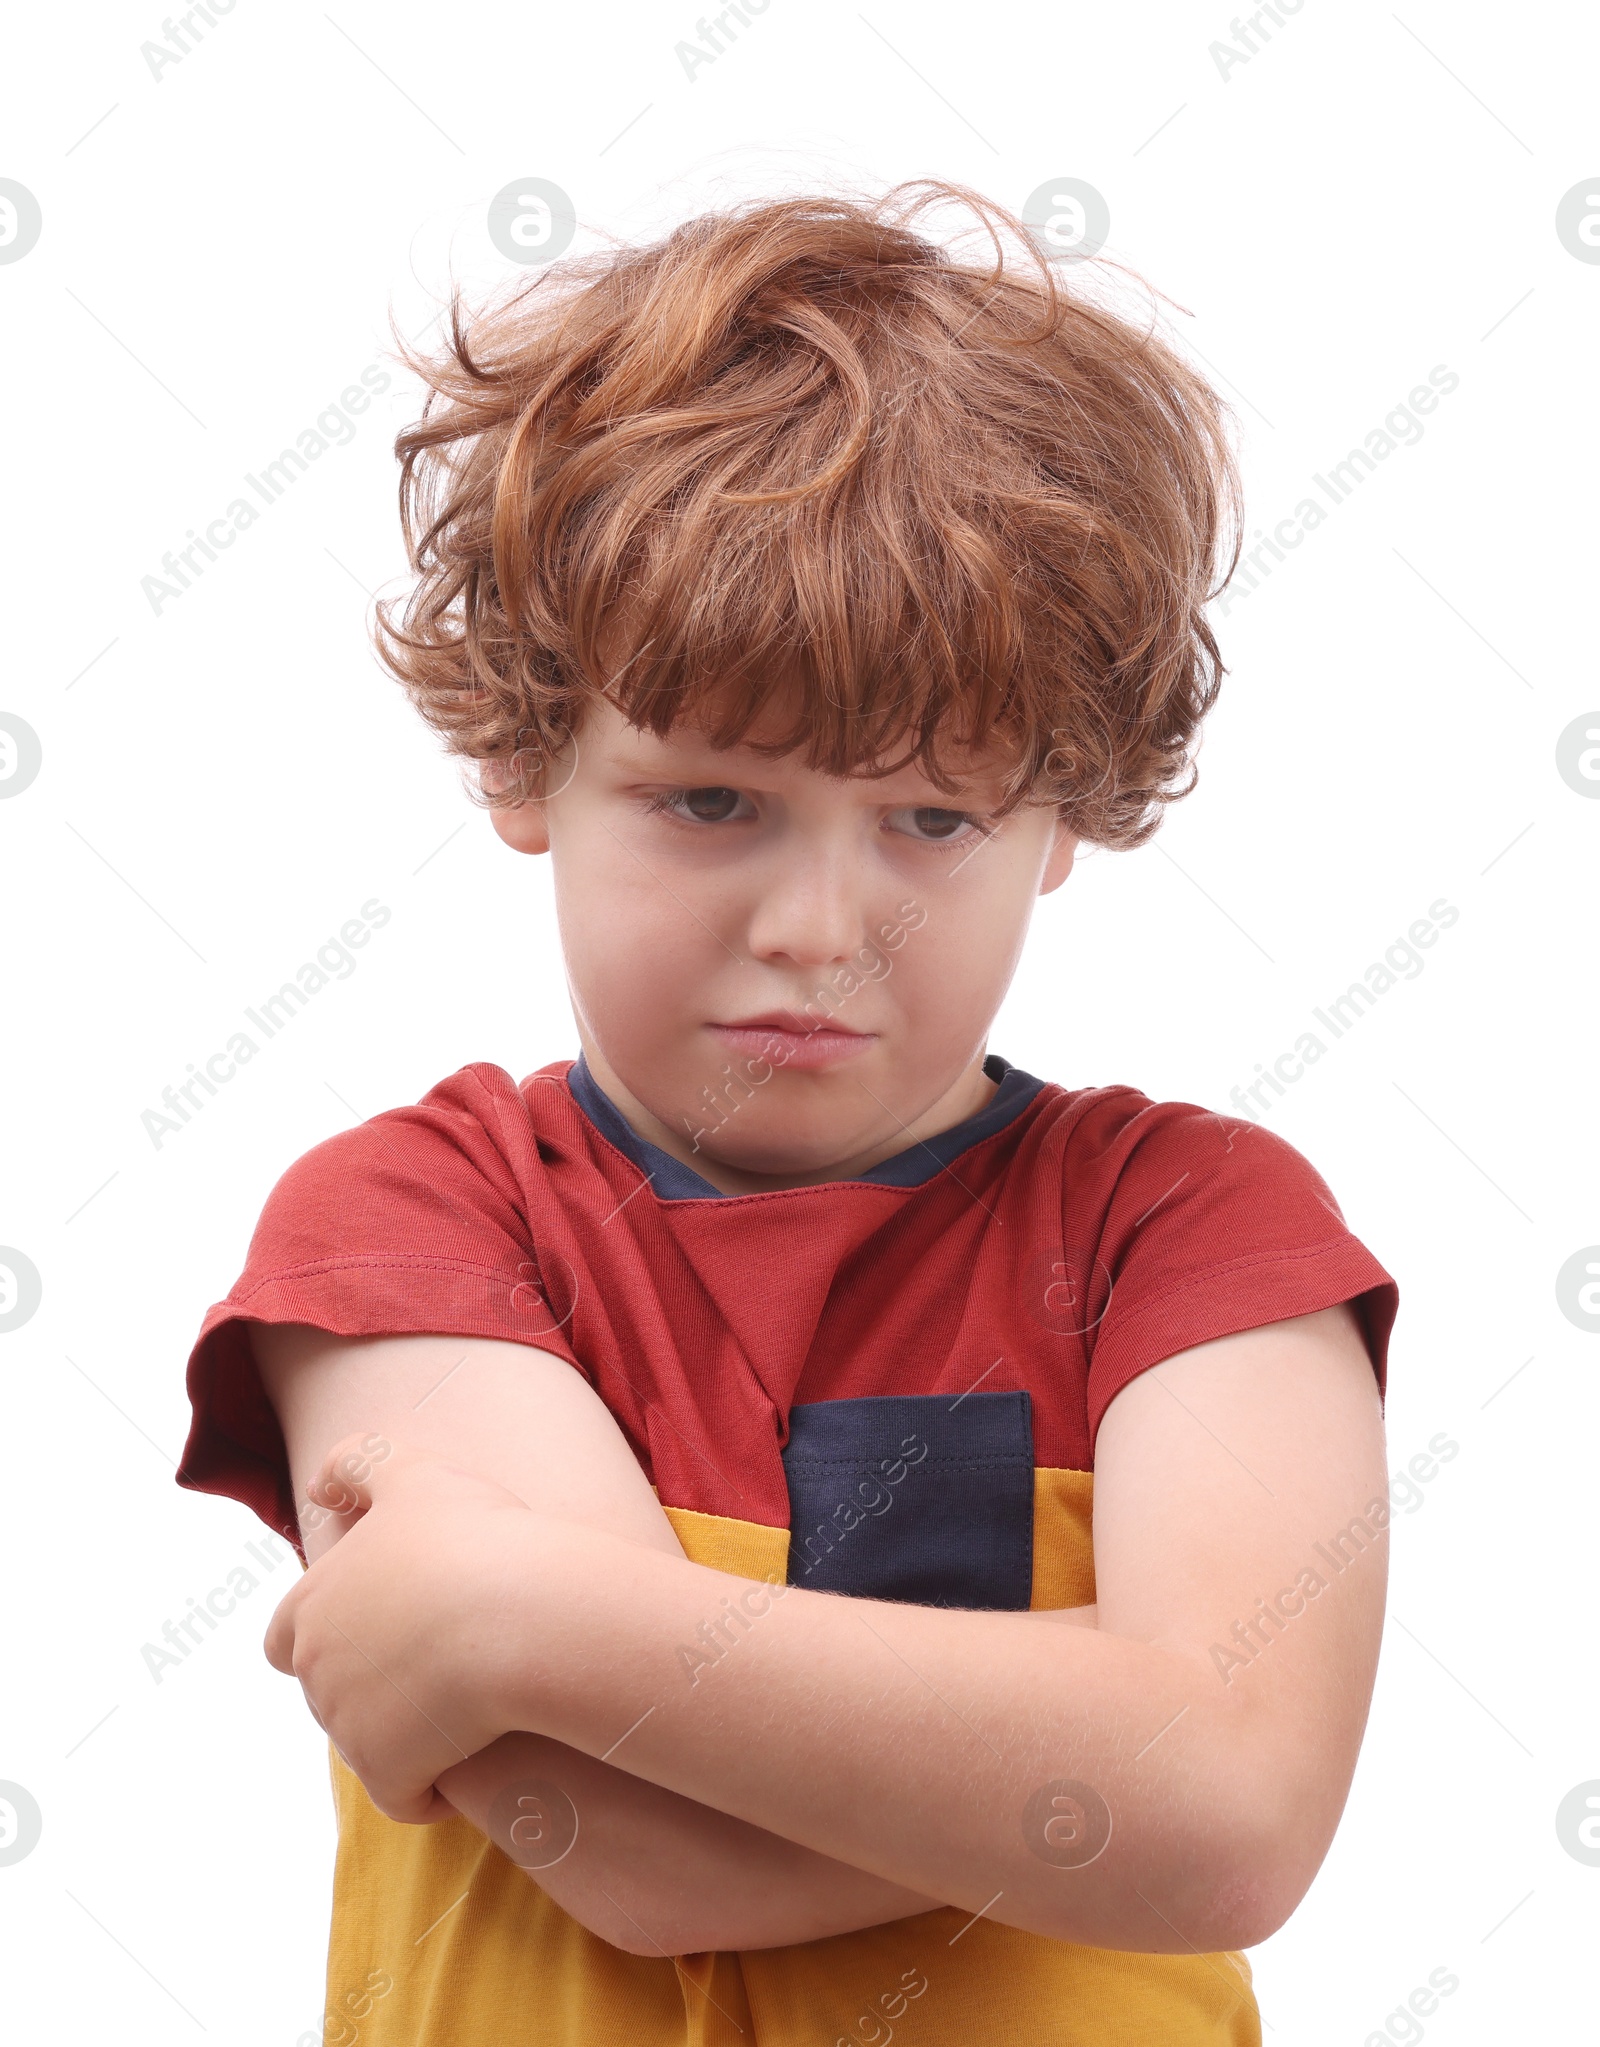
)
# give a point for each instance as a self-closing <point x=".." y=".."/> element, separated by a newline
<point x="225" y="783"/>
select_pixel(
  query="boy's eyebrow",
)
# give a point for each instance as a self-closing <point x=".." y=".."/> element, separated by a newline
<point x="686" y="759"/>
<point x="971" y="793"/>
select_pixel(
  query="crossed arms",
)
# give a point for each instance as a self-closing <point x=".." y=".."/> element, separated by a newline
<point x="859" y="1761"/>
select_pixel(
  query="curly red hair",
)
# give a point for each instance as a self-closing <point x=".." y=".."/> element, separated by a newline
<point x="796" y="463"/>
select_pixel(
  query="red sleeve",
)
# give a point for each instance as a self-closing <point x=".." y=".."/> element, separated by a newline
<point x="413" y="1223"/>
<point x="1213" y="1226"/>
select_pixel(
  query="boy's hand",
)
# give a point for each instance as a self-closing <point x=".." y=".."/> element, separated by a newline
<point x="393" y="1632"/>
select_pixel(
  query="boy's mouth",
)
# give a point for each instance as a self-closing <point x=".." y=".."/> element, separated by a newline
<point x="784" y="1039"/>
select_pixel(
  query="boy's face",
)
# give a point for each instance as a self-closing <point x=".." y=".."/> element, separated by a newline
<point x="782" y="977"/>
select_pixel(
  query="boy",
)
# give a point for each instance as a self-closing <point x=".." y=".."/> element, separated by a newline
<point x="812" y="1532"/>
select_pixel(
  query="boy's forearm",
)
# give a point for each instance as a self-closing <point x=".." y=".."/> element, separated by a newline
<point x="906" y="1740"/>
<point x="655" y="1873"/>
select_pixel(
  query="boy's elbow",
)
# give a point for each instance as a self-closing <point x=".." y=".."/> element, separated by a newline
<point x="1246" y="1909"/>
<point x="1228" y="1875"/>
<point x="1259" y="1868"/>
<point x="1260" y="1830"/>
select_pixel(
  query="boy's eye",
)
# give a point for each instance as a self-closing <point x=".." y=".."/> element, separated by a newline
<point x="704" y="806"/>
<point x="934" y="827"/>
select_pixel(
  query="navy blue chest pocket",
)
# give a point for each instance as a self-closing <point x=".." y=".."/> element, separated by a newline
<point x="913" y="1497"/>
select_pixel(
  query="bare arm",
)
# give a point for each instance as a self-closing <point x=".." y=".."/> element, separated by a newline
<point x="651" y="1872"/>
<point x="1167" y="1781"/>
<point x="1139" y="1784"/>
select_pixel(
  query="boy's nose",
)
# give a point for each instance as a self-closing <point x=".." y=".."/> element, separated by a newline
<point x="811" y="909"/>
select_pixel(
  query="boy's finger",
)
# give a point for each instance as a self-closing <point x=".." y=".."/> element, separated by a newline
<point x="278" y="1642"/>
<point x="411" y="1808"/>
<point x="344" y="1482"/>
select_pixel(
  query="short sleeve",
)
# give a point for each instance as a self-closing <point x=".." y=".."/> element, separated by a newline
<point x="415" y="1222"/>
<point x="1214" y="1226"/>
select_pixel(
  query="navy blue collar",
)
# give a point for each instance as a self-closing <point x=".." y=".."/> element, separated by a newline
<point x="671" y="1180"/>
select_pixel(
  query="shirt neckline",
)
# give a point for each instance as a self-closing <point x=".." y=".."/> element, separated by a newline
<point x="671" y="1180"/>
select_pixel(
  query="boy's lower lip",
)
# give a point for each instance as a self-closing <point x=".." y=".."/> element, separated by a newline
<point x="792" y="1048"/>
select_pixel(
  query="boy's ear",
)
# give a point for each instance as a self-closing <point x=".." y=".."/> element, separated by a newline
<point x="523" y="826"/>
<point x="1058" y="864"/>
